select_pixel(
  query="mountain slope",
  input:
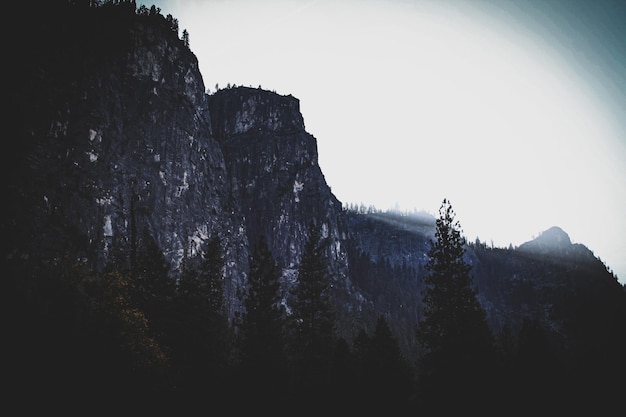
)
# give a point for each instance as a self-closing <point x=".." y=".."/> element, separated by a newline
<point x="549" y="279"/>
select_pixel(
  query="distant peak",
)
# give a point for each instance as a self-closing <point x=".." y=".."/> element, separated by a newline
<point x="554" y="236"/>
<point x="553" y="239"/>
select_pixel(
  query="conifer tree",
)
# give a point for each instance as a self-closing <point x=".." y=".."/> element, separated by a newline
<point x="344" y="376"/>
<point x="185" y="38"/>
<point x="151" y="284"/>
<point x="454" y="332"/>
<point x="263" y="357"/>
<point x="312" y="318"/>
<point x="212" y="276"/>
<point x="390" y="372"/>
<point x="198" y="329"/>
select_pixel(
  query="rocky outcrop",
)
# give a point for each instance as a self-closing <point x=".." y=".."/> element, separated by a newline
<point x="275" y="182"/>
<point x="240" y="110"/>
<point x="274" y="177"/>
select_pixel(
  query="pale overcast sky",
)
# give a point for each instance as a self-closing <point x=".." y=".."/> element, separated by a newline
<point x="513" y="110"/>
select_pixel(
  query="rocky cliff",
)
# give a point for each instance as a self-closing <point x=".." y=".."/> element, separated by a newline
<point x="115" y="144"/>
<point x="120" y="145"/>
<point x="274" y="177"/>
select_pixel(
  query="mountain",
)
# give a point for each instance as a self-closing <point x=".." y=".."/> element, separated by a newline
<point x="117" y="147"/>
<point x="120" y="147"/>
<point x="551" y="240"/>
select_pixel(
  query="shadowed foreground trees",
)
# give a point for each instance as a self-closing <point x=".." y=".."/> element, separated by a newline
<point x="386" y="377"/>
<point x="71" y="329"/>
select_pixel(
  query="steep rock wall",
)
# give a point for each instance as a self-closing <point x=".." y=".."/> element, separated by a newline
<point x="114" y="145"/>
<point x="275" y="180"/>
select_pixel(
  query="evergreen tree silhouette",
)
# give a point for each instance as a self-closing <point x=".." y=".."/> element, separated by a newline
<point x="386" y="372"/>
<point x="459" y="347"/>
<point x="150" y="281"/>
<point x="312" y="321"/>
<point x="198" y="329"/>
<point x="344" y="377"/>
<point x="263" y="357"/>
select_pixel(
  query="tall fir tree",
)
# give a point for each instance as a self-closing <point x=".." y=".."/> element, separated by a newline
<point x="152" y="288"/>
<point x="459" y="346"/>
<point x="199" y="333"/>
<point x="312" y="319"/>
<point x="151" y="283"/>
<point x="391" y="372"/>
<point x="263" y="357"/>
<point x="385" y="376"/>
<point x="212" y="276"/>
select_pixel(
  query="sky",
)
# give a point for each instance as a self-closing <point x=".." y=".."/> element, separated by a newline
<point x="514" y="111"/>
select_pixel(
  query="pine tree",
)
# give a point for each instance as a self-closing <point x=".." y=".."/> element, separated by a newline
<point x="150" y="281"/>
<point x="198" y="329"/>
<point x="185" y="37"/>
<point x="392" y="371"/>
<point x="385" y="374"/>
<point x="212" y="277"/>
<point x="312" y="318"/>
<point x="454" y="332"/>
<point x="263" y="357"/>
<point x="344" y="376"/>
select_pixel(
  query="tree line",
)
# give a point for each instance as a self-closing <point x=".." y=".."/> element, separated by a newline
<point x="132" y="328"/>
<point x="73" y="10"/>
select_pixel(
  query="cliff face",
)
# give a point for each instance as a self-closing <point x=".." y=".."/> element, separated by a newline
<point x="120" y="145"/>
<point x="115" y="146"/>
<point x="245" y="110"/>
<point x="275" y="179"/>
<point x="276" y="184"/>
